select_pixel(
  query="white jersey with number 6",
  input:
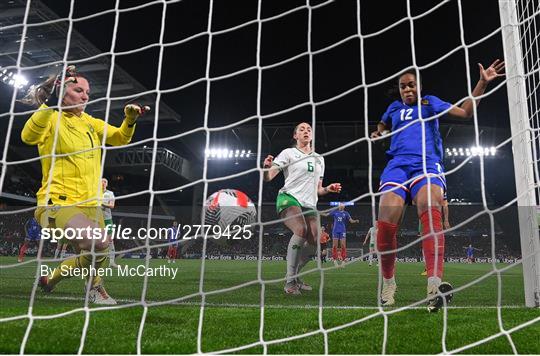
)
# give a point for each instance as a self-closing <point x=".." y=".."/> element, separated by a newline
<point x="302" y="174"/>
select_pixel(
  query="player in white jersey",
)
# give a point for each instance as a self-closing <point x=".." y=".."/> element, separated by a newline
<point x="60" y="250"/>
<point x="297" y="201"/>
<point x="107" y="204"/>
<point x="372" y="236"/>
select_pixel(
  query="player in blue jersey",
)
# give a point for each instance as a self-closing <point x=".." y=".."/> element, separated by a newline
<point x="32" y="232"/>
<point x="414" y="121"/>
<point x="339" y="233"/>
<point x="172" y="236"/>
<point x="470" y="253"/>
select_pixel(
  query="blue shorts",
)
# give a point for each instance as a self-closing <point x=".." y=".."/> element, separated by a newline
<point x="469" y="255"/>
<point x="404" y="175"/>
<point x="339" y="235"/>
<point x="33" y="237"/>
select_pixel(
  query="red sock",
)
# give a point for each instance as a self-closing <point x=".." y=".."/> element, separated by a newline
<point x="431" y="254"/>
<point x="334" y="253"/>
<point x="343" y="253"/>
<point x="386" y="241"/>
<point x="22" y="251"/>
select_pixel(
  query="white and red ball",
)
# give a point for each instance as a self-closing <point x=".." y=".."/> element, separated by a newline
<point x="229" y="207"/>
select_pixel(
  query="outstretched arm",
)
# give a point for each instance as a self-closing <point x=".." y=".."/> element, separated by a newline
<point x="37" y="128"/>
<point x="122" y="135"/>
<point x="332" y="188"/>
<point x="465" y="110"/>
<point x="381" y="130"/>
<point x="367" y="237"/>
<point x="271" y="171"/>
<point x="354" y="221"/>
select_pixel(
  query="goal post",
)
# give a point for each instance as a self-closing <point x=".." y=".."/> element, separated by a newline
<point x="523" y="142"/>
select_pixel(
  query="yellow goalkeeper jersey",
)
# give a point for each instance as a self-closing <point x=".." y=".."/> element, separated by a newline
<point x="76" y="171"/>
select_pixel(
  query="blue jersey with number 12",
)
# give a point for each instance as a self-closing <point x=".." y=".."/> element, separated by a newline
<point x="409" y="140"/>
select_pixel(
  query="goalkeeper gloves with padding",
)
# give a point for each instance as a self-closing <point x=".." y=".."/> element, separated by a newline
<point x="133" y="111"/>
<point x="69" y="77"/>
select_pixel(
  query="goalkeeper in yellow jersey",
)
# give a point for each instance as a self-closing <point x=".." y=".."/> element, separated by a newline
<point x="70" y="195"/>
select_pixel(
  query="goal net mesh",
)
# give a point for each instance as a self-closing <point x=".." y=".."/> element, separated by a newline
<point x="267" y="296"/>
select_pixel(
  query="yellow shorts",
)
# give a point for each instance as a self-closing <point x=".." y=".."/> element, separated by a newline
<point x="59" y="216"/>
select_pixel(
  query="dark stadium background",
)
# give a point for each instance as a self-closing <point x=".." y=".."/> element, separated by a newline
<point x="235" y="98"/>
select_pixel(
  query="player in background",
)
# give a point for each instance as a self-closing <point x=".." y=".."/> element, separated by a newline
<point x="60" y="250"/>
<point x="372" y="236"/>
<point x="32" y="232"/>
<point x="107" y="204"/>
<point x="172" y="237"/>
<point x="470" y="252"/>
<point x="339" y="233"/>
<point x="70" y="194"/>
<point x="404" y="177"/>
<point x="324" y="243"/>
<point x="296" y="202"/>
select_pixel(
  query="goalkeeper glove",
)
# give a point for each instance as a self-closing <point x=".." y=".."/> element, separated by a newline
<point x="133" y="111"/>
<point x="69" y="77"/>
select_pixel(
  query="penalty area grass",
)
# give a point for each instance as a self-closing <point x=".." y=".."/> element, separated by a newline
<point x="347" y="319"/>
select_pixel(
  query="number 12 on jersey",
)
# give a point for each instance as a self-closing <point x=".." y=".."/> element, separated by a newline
<point x="406" y="114"/>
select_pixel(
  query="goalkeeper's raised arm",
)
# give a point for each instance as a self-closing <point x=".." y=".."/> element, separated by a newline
<point x="75" y="91"/>
<point x="70" y="193"/>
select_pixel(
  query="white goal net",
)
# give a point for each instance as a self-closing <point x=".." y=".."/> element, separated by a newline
<point x="243" y="79"/>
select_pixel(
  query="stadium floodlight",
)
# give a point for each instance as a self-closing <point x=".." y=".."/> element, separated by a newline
<point x="471" y="151"/>
<point x="226" y="153"/>
<point x="18" y="81"/>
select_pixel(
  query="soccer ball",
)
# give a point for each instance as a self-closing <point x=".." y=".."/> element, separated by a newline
<point x="229" y="208"/>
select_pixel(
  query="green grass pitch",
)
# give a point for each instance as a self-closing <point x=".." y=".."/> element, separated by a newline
<point x="232" y="318"/>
